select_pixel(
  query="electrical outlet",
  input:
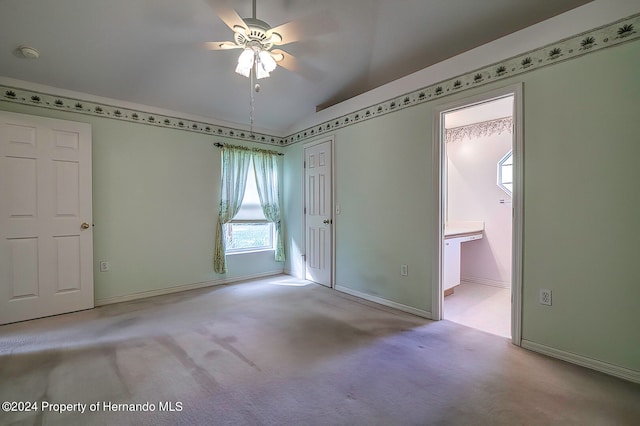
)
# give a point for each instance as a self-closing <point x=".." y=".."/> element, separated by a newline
<point x="404" y="270"/>
<point x="545" y="297"/>
<point x="104" y="266"/>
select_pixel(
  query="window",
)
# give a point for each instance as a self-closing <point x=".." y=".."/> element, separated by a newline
<point x="505" y="173"/>
<point x="244" y="223"/>
<point x="249" y="230"/>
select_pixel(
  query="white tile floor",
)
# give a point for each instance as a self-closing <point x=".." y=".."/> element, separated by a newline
<point x="481" y="307"/>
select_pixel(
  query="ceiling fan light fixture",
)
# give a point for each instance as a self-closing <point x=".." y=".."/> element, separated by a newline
<point x="245" y="62"/>
<point x="261" y="72"/>
<point x="266" y="60"/>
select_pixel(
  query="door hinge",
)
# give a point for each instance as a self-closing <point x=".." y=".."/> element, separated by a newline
<point x="305" y="210"/>
<point x="304" y="164"/>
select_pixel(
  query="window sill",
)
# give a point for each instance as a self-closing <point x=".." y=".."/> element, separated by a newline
<point x="234" y="253"/>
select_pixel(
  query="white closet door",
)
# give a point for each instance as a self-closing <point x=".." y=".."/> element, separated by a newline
<point x="318" y="209"/>
<point x="46" y="241"/>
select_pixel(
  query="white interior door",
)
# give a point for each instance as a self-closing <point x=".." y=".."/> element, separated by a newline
<point x="46" y="242"/>
<point x="318" y="209"/>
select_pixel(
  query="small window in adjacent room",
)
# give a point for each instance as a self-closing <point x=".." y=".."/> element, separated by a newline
<point x="505" y="173"/>
<point x="249" y="230"/>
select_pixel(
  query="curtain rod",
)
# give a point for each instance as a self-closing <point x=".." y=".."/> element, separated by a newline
<point x="221" y="145"/>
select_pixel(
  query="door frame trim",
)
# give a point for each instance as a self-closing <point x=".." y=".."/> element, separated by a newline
<point x="332" y="274"/>
<point x="439" y="180"/>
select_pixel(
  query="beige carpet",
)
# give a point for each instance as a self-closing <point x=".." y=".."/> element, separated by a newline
<point x="278" y="352"/>
<point x="482" y="307"/>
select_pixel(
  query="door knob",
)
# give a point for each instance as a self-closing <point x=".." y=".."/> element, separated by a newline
<point x="84" y="225"/>
<point x="327" y="221"/>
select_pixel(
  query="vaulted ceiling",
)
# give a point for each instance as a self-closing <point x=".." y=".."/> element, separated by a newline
<point x="151" y="52"/>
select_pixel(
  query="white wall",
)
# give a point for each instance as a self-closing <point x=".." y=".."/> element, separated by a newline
<point x="474" y="195"/>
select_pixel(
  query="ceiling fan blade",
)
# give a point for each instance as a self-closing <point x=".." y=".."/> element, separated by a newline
<point x="306" y="27"/>
<point x="228" y="15"/>
<point x="289" y="62"/>
<point x="221" y="45"/>
<point x="277" y="56"/>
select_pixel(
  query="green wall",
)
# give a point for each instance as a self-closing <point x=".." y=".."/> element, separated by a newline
<point x="155" y="202"/>
<point x="156" y="194"/>
<point x="581" y="204"/>
<point x="385" y="221"/>
<point x="293" y="210"/>
<point x="379" y="228"/>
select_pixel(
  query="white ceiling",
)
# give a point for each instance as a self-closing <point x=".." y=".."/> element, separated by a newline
<point x="151" y="52"/>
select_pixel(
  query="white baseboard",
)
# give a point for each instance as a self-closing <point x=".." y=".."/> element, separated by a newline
<point x="385" y="302"/>
<point x="485" y="281"/>
<point x="179" y="288"/>
<point x="594" y="364"/>
<point x="290" y="272"/>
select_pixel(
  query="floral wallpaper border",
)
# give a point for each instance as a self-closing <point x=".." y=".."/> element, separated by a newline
<point x="30" y="97"/>
<point x="496" y="126"/>
<point x="606" y="36"/>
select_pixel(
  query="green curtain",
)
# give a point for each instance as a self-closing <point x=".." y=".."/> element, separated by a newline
<point x="235" y="165"/>
<point x="265" y="165"/>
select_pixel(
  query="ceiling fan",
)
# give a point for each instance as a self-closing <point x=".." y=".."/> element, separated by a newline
<point x="257" y="39"/>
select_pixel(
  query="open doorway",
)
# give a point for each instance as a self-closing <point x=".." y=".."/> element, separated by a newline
<point x="480" y="215"/>
<point x="477" y="238"/>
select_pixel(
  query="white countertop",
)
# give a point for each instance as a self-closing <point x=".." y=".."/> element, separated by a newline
<point x="457" y="228"/>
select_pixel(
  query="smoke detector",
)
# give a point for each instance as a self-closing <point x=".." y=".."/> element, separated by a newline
<point x="28" y="52"/>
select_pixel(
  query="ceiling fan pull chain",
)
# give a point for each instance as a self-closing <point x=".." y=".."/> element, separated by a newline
<point x="251" y="109"/>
